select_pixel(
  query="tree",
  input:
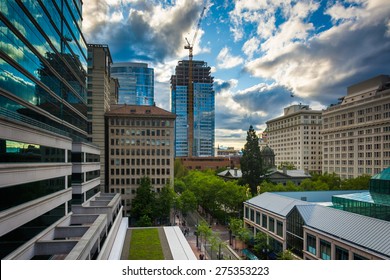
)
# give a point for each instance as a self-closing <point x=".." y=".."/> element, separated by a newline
<point x="359" y="183"/>
<point x="164" y="203"/>
<point x="144" y="221"/>
<point x="251" y="161"/>
<point x="261" y="246"/>
<point x="235" y="225"/>
<point x="180" y="170"/>
<point x="331" y="181"/>
<point x="179" y="186"/>
<point x="144" y="202"/>
<point x="204" y="231"/>
<point x="287" y="165"/>
<point x="187" y="202"/>
<point x="285" y="255"/>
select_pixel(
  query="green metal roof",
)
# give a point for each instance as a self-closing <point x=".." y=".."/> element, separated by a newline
<point x="384" y="175"/>
<point x="379" y="199"/>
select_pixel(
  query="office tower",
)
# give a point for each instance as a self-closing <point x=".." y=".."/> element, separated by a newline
<point x="295" y="137"/>
<point x="195" y="111"/>
<point x="102" y="92"/>
<point x="49" y="172"/>
<point x="136" y="83"/>
<point x="141" y="144"/>
<point x="356" y="131"/>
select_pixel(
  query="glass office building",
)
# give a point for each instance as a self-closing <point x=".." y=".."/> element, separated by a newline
<point x="136" y="83"/>
<point x="43" y="65"/>
<point x="373" y="203"/>
<point x="204" y="119"/>
<point x="203" y="130"/>
<point x="46" y="162"/>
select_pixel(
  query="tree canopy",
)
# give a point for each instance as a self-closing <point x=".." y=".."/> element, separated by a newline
<point x="219" y="198"/>
<point x="319" y="182"/>
<point x="149" y="207"/>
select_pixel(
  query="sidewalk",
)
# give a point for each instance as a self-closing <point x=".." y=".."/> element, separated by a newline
<point x="223" y="233"/>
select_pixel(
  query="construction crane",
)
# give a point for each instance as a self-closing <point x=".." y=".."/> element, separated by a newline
<point x="189" y="45"/>
<point x="190" y="102"/>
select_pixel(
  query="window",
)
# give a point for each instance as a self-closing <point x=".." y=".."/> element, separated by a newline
<point x="264" y="221"/>
<point x="257" y="218"/>
<point x="341" y="253"/>
<point x="358" y="257"/>
<point x="279" y="228"/>
<point x="252" y="215"/>
<point x="271" y="226"/>
<point x="311" y="245"/>
<point x="325" y="250"/>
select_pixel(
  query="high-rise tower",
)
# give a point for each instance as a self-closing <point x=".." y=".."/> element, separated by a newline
<point x="136" y="83"/>
<point x="195" y="113"/>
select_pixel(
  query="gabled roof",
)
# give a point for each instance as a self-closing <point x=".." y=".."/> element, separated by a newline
<point x="289" y="174"/>
<point x="275" y="203"/>
<point x="364" y="231"/>
<point x="231" y="173"/>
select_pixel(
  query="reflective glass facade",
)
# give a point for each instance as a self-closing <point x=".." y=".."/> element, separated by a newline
<point x="294" y="232"/>
<point x="203" y="109"/>
<point x="179" y="107"/>
<point x="373" y="203"/>
<point x="43" y="65"/>
<point x="136" y="83"/>
<point x="17" y="237"/>
<point x="204" y="120"/>
<point x="14" y="151"/>
<point x="43" y="112"/>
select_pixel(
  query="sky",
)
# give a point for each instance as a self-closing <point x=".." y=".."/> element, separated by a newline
<point x="265" y="55"/>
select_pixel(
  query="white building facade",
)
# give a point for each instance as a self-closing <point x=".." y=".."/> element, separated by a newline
<point x="356" y="132"/>
<point x="295" y="137"/>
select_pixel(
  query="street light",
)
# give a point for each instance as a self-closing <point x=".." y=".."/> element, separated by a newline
<point x="197" y="236"/>
<point x="265" y="252"/>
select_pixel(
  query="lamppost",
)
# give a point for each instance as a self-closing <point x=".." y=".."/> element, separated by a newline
<point x="230" y="237"/>
<point x="265" y="252"/>
<point x="197" y="236"/>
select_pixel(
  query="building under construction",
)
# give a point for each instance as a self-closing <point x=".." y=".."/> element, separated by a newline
<point x="193" y="103"/>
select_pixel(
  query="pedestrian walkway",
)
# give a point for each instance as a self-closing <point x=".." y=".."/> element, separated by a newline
<point x="191" y="221"/>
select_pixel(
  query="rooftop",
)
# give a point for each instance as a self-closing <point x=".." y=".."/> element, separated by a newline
<point x="276" y="203"/>
<point x="364" y="231"/>
<point x="138" y="110"/>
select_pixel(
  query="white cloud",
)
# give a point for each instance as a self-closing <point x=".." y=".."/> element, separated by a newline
<point x="143" y="30"/>
<point x="388" y="29"/>
<point x="314" y="65"/>
<point x="251" y="46"/>
<point x="226" y="60"/>
<point x="338" y="12"/>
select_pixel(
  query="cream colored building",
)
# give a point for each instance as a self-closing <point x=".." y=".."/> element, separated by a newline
<point x="140" y="144"/>
<point x="356" y="132"/>
<point x="102" y="92"/>
<point x="295" y="137"/>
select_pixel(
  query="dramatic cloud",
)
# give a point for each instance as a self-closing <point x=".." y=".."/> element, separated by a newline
<point x="221" y="85"/>
<point x="252" y="106"/>
<point x="320" y="66"/>
<point x="260" y="51"/>
<point x="144" y="30"/>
